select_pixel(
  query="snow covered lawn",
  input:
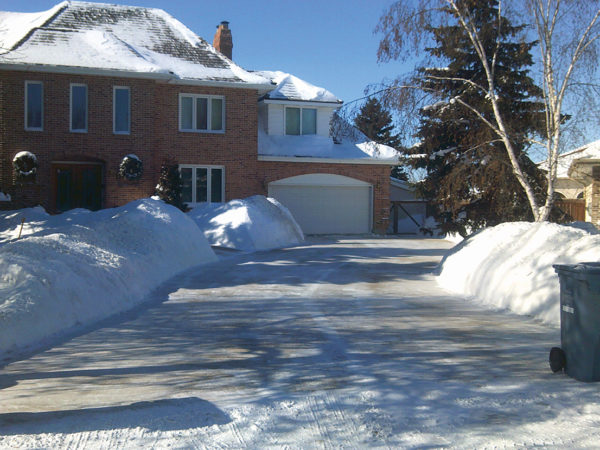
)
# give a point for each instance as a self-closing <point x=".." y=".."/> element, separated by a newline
<point x="337" y="343"/>
<point x="510" y="265"/>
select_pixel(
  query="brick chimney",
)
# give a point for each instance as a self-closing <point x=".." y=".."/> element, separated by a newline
<point x="222" y="40"/>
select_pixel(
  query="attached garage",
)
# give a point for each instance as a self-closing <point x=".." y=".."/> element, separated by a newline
<point x="326" y="203"/>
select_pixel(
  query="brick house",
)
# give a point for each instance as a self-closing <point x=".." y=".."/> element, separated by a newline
<point x="83" y="85"/>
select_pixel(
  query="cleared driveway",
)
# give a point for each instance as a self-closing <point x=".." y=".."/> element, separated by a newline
<point x="338" y="343"/>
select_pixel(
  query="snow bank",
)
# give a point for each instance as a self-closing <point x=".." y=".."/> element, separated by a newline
<point x="510" y="265"/>
<point x="254" y="223"/>
<point x="79" y="267"/>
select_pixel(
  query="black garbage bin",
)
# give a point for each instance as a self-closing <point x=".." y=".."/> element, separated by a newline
<point x="579" y="354"/>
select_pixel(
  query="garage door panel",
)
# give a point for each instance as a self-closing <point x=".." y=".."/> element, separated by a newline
<point x="327" y="209"/>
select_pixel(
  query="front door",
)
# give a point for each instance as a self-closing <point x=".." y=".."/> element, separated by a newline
<point x="77" y="185"/>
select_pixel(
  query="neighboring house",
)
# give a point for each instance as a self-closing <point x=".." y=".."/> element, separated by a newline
<point x="83" y="85"/>
<point x="578" y="181"/>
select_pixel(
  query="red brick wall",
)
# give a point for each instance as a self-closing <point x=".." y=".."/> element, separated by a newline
<point x="376" y="175"/>
<point x="154" y="136"/>
<point x="236" y="149"/>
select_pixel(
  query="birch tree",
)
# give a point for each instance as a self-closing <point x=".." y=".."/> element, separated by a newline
<point x="405" y="34"/>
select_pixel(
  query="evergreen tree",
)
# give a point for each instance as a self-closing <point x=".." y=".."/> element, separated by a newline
<point x="169" y="187"/>
<point x="375" y="122"/>
<point x="469" y="176"/>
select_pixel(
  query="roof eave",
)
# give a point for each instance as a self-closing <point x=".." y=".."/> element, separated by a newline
<point x="303" y="102"/>
<point x="158" y="76"/>
<point x="310" y="159"/>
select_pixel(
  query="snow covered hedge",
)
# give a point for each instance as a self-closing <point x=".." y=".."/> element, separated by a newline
<point x="254" y="223"/>
<point x="79" y="267"/>
<point x="510" y="265"/>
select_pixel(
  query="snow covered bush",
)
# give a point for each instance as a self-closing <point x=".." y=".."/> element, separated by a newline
<point x="169" y="187"/>
<point x="254" y="223"/>
<point x="510" y="265"/>
<point x="79" y="267"/>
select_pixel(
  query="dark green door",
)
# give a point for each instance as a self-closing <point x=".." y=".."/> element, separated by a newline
<point x="78" y="186"/>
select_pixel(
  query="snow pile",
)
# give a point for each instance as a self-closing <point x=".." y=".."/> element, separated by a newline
<point x="79" y="267"/>
<point x="254" y="223"/>
<point x="510" y="265"/>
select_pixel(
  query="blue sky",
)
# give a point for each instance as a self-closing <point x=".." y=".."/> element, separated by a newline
<point x="329" y="43"/>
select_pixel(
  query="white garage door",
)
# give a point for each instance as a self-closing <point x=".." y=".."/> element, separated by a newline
<point x="326" y="204"/>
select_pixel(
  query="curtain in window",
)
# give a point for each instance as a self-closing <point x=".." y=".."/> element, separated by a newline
<point x="186" y="179"/>
<point x="201" y="114"/>
<point x="216" y="116"/>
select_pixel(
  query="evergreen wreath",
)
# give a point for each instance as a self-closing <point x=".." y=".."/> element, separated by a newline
<point x="131" y="167"/>
<point x="25" y="165"/>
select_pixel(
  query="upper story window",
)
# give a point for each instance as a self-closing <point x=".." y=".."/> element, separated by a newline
<point x="300" y="121"/>
<point x="79" y="107"/>
<point x="121" y="110"/>
<point x="34" y="106"/>
<point x="201" y="113"/>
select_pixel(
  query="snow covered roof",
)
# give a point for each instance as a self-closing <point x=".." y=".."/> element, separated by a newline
<point x="566" y="160"/>
<point x="115" y="38"/>
<point x="277" y="147"/>
<point x="291" y="88"/>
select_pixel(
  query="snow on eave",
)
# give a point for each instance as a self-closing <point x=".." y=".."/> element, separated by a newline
<point x="288" y="87"/>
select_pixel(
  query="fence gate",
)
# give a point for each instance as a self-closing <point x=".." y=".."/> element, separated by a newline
<point x="573" y="207"/>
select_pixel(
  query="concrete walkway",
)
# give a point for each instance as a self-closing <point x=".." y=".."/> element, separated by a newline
<point x="336" y="343"/>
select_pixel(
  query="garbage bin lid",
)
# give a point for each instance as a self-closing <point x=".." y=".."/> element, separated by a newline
<point x="583" y="267"/>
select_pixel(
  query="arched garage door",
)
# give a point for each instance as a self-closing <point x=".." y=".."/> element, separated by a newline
<point x="325" y="203"/>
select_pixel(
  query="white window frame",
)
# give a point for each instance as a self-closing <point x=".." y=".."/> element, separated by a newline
<point x="208" y="181"/>
<point x="87" y="105"/>
<point x="28" y="128"/>
<point x="209" y="99"/>
<point x="300" y="108"/>
<point x="115" y="89"/>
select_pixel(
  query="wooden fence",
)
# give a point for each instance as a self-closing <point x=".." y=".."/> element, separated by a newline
<point x="573" y="207"/>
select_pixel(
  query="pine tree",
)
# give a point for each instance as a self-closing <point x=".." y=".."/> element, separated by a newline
<point x="169" y="187"/>
<point x="469" y="177"/>
<point x="375" y="122"/>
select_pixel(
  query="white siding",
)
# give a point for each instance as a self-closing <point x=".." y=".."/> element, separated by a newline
<point x="276" y="120"/>
<point x="323" y="118"/>
<point x="263" y="118"/>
